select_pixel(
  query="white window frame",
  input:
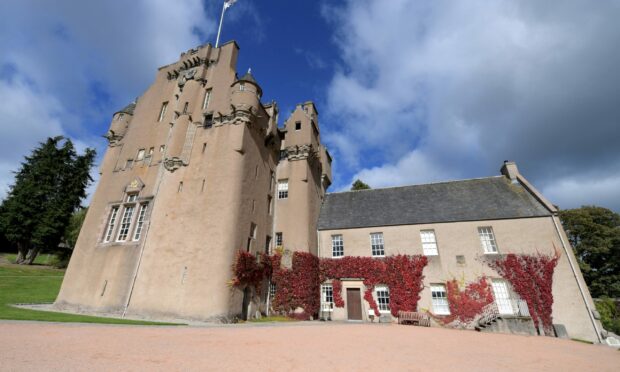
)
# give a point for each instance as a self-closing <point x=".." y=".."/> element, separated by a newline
<point x="501" y="294"/>
<point x="125" y="225"/>
<point x="111" y="224"/>
<point x="162" y="111"/>
<point x="382" y="297"/>
<point x="272" y="290"/>
<point x="207" y="99"/>
<point x="337" y="246"/>
<point x="283" y="189"/>
<point x="439" y="299"/>
<point x="377" y="245"/>
<point x="241" y="87"/>
<point x="487" y="240"/>
<point x="429" y="242"/>
<point x="140" y="154"/>
<point x="140" y="221"/>
<point x="327" y="297"/>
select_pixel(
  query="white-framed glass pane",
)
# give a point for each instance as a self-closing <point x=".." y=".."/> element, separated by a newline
<point x="272" y="290"/>
<point x="111" y="224"/>
<point x="337" y="246"/>
<point x="140" y="155"/>
<point x="429" y="242"/>
<point x="502" y="297"/>
<point x="123" y="230"/>
<point x="140" y="222"/>
<point x="278" y="239"/>
<point x="132" y="198"/>
<point x="439" y="299"/>
<point x="327" y="297"/>
<point x="282" y="189"/>
<point x="383" y="298"/>
<point x="205" y="103"/>
<point x="162" y="112"/>
<point x="376" y="244"/>
<point x="487" y="239"/>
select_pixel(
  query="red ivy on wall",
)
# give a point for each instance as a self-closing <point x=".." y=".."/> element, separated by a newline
<point x="248" y="270"/>
<point x="531" y="277"/>
<point x="298" y="286"/>
<point x="465" y="304"/>
<point x="401" y="274"/>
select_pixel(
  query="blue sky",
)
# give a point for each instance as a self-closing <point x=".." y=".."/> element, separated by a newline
<point x="408" y="91"/>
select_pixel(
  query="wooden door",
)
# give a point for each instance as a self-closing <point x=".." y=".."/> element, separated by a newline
<point x="354" y="304"/>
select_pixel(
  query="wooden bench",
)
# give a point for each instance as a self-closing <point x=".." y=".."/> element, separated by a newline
<point x="414" y="318"/>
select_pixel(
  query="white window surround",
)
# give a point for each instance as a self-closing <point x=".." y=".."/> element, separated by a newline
<point x="111" y="224"/>
<point x="337" y="246"/>
<point x="282" y="189"/>
<point x="140" y="155"/>
<point x="207" y="99"/>
<point x="502" y="296"/>
<point x="140" y="222"/>
<point x="440" y="299"/>
<point x="162" y="111"/>
<point x="377" y="246"/>
<point x="487" y="239"/>
<point x="327" y="297"/>
<point x="429" y="242"/>
<point x="123" y="230"/>
<point x="382" y="295"/>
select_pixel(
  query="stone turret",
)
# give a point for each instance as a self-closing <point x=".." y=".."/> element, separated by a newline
<point x="246" y="93"/>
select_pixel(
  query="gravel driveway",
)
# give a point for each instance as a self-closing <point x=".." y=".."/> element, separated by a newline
<point x="32" y="346"/>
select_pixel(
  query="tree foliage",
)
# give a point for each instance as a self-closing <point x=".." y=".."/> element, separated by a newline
<point x="594" y="233"/>
<point x="47" y="189"/>
<point x="359" y="185"/>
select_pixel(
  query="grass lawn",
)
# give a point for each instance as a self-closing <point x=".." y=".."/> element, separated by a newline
<point x="24" y="284"/>
<point x="274" y="318"/>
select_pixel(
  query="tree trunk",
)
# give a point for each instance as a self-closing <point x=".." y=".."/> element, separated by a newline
<point x="22" y="251"/>
<point x="32" y="254"/>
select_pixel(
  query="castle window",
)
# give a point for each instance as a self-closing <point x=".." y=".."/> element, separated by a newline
<point x="429" y="242"/>
<point x="140" y="222"/>
<point x="327" y="297"/>
<point x="123" y="230"/>
<point x="120" y="116"/>
<point x="298" y="125"/>
<point x="439" y="299"/>
<point x="383" y="298"/>
<point x="129" y="164"/>
<point x="282" y="189"/>
<point x="208" y="121"/>
<point x="151" y="150"/>
<point x="269" y="204"/>
<point x="279" y="240"/>
<point x="204" y="147"/>
<point x="162" y="111"/>
<point x="185" y="107"/>
<point x="162" y="148"/>
<point x="111" y="224"/>
<point x="376" y="244"/>
<point x="140" y="155"/>
<point x="205" y="103"/>
<point x="268" y="244"/>
<point x="242" y="86"/>
<point x="337" y="246"/>
<point x="487" y="239"/>
<point x="180" y="187"/>
<point x="272" y="290"/>
<point x="131" y="198"/>
<point x="283" y="154"/>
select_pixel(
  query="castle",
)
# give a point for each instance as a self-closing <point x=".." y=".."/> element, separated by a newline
<point x="198" y="169"/>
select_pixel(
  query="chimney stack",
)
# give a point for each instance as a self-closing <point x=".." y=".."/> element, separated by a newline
<point x="510" y="170"/>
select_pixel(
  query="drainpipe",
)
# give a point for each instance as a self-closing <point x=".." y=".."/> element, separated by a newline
<point x="581" y="291"/>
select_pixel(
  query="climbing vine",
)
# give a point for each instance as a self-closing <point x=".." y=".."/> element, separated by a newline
<point x="466" y="302"/>
<point x="402" y="274"/>
<point x="531" y="277"/>
<point x="297" y="287"/>
<point x="249" y="269"/>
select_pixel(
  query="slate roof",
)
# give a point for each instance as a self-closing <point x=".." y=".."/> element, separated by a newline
<point x="468" y="200"/>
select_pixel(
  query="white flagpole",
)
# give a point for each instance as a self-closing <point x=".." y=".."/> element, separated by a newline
<point x="219" y="29"/>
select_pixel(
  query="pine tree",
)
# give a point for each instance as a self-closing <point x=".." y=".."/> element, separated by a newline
<point x="48" y="188"/>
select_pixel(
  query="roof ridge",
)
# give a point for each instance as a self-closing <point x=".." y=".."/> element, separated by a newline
<point x="416" y="185"/>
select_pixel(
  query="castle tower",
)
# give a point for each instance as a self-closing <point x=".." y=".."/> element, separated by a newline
<point x="303" y="176"/>
<point x="187" y="181"/>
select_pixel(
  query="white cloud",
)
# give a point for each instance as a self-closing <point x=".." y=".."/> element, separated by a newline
<point x="66" y="66"/>
<point x="451" y="89"/>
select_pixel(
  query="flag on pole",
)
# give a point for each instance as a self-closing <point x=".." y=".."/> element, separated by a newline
<point x="229" y="3"/>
